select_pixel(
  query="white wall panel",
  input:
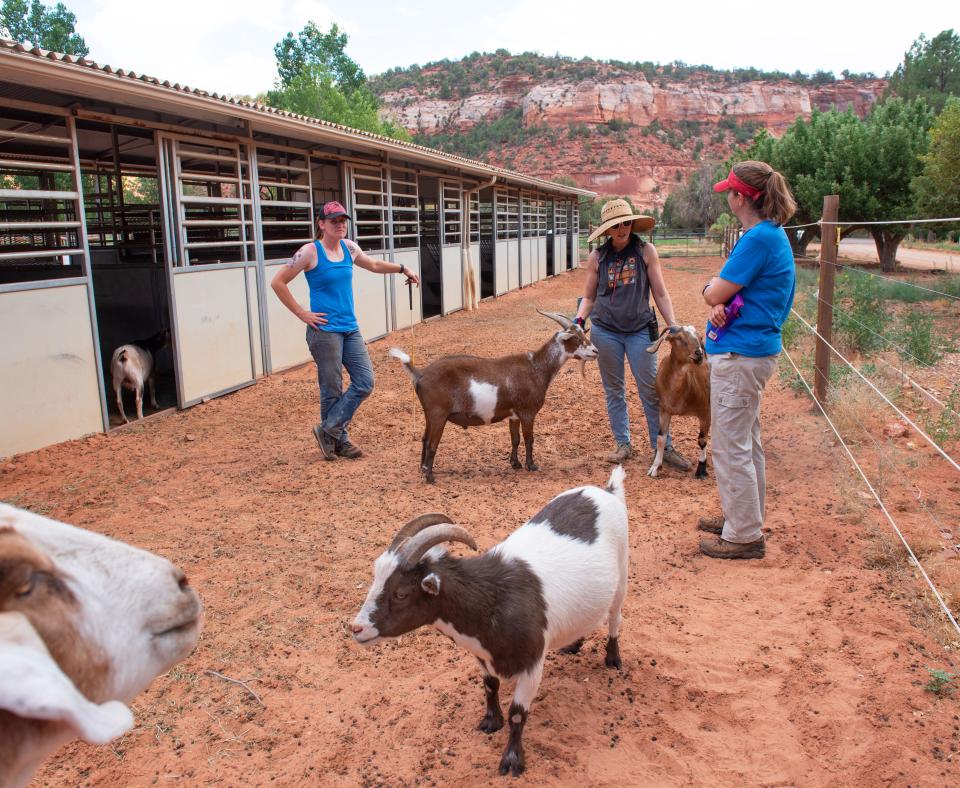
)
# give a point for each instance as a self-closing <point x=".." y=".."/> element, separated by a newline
<point x="254" y="310"/>
<point x="213" y="331"/>
<point x="370" y="301"/>
<point x="501" y="266"/>
<point x="48" y="369"/>
<point x="406" y="316"/>
<point x="288" y="344"/>
<point x="513" y="264"/>
<point x="541" y="244"/>
<point x="452" y="279"/>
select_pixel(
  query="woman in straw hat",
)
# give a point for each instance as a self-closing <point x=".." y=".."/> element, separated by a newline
<point x="744" y="355"/>
<point x="621" y="274"/>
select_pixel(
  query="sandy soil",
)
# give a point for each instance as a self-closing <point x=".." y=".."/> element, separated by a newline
<point x="801" y="669"/>
<point x="864" y="249"/>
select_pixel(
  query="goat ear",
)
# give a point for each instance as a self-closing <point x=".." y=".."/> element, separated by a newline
<point x="656" y="345"/>
<point x="32" y="686"/>
<point x="431" y="584"/>
<point x="563" y="336"/>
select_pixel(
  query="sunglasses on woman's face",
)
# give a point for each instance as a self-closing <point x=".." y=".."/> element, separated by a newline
<point x="628" y="223"/>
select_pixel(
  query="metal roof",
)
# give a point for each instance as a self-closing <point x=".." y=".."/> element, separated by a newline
<point x="72" y="72"/>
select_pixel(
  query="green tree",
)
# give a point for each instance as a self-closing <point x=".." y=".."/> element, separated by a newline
<point x="312" y="47"/>
<point x="695" y="205"/>
<point x="37" y="25"/>
<point x="869" y="163"/>
<point x="317" y="78"/>
<point x="930" y="70"/>
<point x="937" y="188"/>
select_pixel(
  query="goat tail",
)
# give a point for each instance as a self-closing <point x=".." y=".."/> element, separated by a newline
<point x="615" y="485"/>
<point x="411" y="370"/>
<point x="122" y="356"/>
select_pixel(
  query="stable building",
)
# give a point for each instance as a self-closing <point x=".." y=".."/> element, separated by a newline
<point x="129" y="205"/>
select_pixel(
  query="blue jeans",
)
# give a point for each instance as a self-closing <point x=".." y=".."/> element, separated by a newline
<point x="334" y="351"/>
<point x="611" y="347"/>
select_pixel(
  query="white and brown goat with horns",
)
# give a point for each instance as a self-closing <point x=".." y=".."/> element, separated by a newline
<point x="683" y="388"/>
<point x="470" y="390"/>
<point x="547" y="586"/>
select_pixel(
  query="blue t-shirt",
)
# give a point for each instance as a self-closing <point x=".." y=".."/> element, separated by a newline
<point x="762" y="264"/>
<point x="331" y="290"/>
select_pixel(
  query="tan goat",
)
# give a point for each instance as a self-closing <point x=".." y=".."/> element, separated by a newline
<point x="683" y="387"/>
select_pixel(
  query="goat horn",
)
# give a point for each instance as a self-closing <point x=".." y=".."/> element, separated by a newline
<point x="565" y="322"/>
<point x="413" y="549"/>
<point x="416" y="525"/>
<point x="656" y="345"/>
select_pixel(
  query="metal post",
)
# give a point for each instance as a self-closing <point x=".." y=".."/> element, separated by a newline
<point x="828" y="260"/>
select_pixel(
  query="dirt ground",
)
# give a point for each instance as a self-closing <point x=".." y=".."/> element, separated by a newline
<point x="801" y="669"/>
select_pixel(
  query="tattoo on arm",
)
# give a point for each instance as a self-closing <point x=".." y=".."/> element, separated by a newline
<point x="295" y="261"/>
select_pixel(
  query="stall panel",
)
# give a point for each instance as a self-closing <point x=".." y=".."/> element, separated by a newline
<point x="541" y="258"/>
<point x="288" y="345"/>
<point x="475" y="260"/>
<point x="406" y="297"/>
<point x="253" y="314"/>
<point x="48" y="368"/>
<point x="502" y="266"/>
<point x="213" y="331"/>
<point x="452" y="279"/>
<point x="370" y="301"/>
<point x="528" y="261"/>
<point x="559" y="253"/>
<point x="513" y="265"/>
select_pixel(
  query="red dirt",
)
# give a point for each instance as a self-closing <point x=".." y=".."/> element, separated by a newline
<point x="802" y="668"/>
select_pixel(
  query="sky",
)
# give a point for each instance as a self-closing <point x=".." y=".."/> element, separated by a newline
<point x="226" y="46"/>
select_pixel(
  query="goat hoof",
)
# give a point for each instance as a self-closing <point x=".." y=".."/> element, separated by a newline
<point x="652" y="473"/>
<point x="429" y="479"/>
<point x="573" y="648"/>
<point x="515" y="464"/>
<point x="490" y="724"/>
<point x="512" y="762"/>
<point x="701" y="471"/>
<point x="612" y="659"/>
<point x="533" y="467"/>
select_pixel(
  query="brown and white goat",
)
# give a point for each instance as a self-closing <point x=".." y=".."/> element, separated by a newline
<point x="683" y="387"/>
<point x="133" y="366"/>
<point x="470" y="391"/>
<point x="547" y="586"/>
<point x="85" y="624"/>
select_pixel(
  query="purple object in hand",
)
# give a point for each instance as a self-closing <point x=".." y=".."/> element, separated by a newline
<point x="732" y="311"/>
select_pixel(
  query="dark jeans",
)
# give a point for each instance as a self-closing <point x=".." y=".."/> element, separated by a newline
<point x="334" y="351"/>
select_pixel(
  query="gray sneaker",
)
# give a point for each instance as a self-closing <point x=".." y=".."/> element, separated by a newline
<point x="675" y="459"/>
<point x="327" y="443"/>
<point x="624" y="451"/>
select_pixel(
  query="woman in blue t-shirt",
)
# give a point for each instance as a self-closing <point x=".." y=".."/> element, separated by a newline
<point x="333" y="335"/>
<point x="744" y="353"/>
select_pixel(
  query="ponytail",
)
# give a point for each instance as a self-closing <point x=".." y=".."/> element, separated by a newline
<point x="775" y="202"/>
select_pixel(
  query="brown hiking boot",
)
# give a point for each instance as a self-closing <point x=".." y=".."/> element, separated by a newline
<point x="721" y="548"/>
<point x="712" y="525"/>
<point x="327" y="443"/>
<point x="675" y="459"/>
<point x="624" y="451"/>
<point x="347" y="450"/>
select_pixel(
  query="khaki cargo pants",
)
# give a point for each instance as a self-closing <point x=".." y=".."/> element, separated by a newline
<point x="736" y="388"/>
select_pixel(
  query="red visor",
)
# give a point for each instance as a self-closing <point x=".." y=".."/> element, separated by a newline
<point x="733" y="182"/>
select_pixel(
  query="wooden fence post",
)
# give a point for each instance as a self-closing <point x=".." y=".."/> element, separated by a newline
<point x="828" y="269"/>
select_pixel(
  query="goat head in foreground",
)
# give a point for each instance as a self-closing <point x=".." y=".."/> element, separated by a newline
<point x="550" y="584"/>
<point x="470" y="391"/>
<point x="683" y="388"/>
<point x="85" y="624"/>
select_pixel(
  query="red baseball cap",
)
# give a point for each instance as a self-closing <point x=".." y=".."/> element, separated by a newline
<point x="733" y="182"/>
<point x="333" y="209"/>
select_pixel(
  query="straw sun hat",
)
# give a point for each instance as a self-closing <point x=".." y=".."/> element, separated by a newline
<point x="616" y="211"/>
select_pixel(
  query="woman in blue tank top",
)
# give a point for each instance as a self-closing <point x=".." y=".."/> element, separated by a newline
<point x="743" y="355"/>
<point x="333" y="335"/>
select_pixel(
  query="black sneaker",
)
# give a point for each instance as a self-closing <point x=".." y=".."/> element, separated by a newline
<point x="327" y="443"/>
<point x="347" y="450"/>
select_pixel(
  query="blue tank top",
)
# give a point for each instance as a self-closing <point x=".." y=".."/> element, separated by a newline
<point x="331" y="290"/>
